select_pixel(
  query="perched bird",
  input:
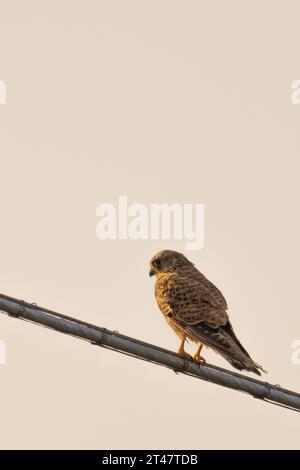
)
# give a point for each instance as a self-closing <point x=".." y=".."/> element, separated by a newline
<point x="196" y="310"/>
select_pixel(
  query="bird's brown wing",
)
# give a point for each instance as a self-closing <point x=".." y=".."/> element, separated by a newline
<point x="201" y="315"/>
<point x="193" y="302"/>
<point x="215" y="295"/>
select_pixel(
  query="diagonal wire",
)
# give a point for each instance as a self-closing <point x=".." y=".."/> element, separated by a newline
<point x="113" y="340"/>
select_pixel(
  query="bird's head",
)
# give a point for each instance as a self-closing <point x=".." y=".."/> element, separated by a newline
<point x="167" y="261"/>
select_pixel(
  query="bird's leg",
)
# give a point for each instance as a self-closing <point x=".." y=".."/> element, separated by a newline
<point x="181" y="350"/>
<point x="197" y="357"/>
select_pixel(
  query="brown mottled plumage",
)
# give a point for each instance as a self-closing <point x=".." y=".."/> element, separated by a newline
<point x="196" y="309"/>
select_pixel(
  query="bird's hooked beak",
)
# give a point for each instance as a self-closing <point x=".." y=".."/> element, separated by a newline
<point x="151" y="272"/>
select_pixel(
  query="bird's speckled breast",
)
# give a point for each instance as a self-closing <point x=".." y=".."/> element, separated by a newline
<point x="161" y="289"/>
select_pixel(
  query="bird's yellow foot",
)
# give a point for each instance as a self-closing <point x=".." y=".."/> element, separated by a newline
<point x="184" y="354"/>
<point x="198" y="358"/>
<point x="181" y="350"/>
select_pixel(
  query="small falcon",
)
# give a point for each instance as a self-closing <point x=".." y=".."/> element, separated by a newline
<point x="196" y="310"/>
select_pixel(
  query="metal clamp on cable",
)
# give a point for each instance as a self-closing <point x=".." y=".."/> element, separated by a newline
<point x="184" y="368"/>
<point x="20" y="311"/>
<point x="102" y="341"/>
<point x="265" y="393"/>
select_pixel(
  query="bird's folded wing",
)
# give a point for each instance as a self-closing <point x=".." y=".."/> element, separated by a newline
<point x="201" y="315"/>
<point x="216" y="337"/>
<point x="192" y="302"/>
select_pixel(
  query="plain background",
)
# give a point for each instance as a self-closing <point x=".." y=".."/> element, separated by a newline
<point x="162" y="101"/>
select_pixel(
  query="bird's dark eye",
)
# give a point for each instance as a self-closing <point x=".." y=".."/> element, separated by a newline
<point x="157" y="263"/>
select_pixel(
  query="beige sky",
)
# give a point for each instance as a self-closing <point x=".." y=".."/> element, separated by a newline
<point x="162" y="101"/>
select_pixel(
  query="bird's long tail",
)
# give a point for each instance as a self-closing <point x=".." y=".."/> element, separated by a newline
<point x="223" y="340"/>
<point x="244" y="364"/>
<point x="237" y="355"/>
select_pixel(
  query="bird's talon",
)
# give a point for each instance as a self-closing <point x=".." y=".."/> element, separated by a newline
<point x="199" y="359"/>
<point x="185" y="355"/>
